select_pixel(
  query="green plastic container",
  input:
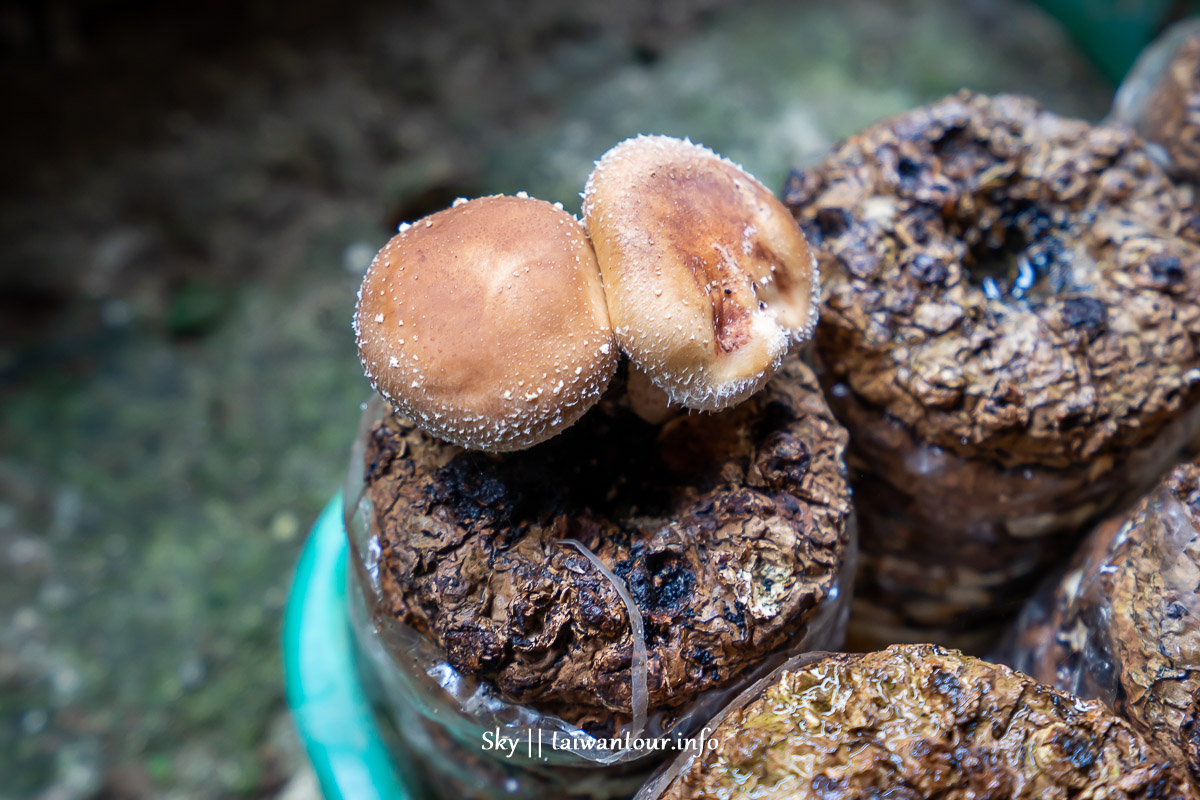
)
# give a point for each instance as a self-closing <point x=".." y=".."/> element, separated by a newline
<point x="329" y="704"/>
<point x="1113" y="32"/>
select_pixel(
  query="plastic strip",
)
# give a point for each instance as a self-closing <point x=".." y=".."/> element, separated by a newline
<point x="639" y="693"/>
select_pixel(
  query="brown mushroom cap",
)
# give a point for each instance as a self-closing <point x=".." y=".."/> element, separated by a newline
<point x="708" y="277"/>
<point x="486" y="323"/>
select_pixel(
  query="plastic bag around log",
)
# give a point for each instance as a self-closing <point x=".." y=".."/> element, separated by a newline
<point x="987" y="266"/>
<point x="913" y="721"/>
<point x="1123" y="624"/>
<point x="951" y="547"/>
<point x="776" y="470"/>
<point x="1160" y="99"/>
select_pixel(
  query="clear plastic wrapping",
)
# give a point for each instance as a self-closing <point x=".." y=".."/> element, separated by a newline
<point x="452" y="723"/>
<point x="663" y="778"/>
<point x="1008" y="331"/>
<point x="951" y="546"/>
<point x="1122" y="625"/>
<point x="1160" y="98"/>
<point x="914" y="721"/>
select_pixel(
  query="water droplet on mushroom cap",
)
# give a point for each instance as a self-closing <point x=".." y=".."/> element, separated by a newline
<point x="709" y="278"/>
<point x="513" y="340"/>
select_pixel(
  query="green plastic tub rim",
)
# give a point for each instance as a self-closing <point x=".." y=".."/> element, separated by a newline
<point x="329" y="705"/>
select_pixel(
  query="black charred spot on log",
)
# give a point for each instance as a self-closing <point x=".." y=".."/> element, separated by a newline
<point x="1088" y="315"/>
<point x="673" y="582"/>
<point x="953" y="141"/>
<point x="706" y="665"/>
<point x="661" y="583"/>
<point x="637" y="579"/>
<point x="737" y="618"/>
<point x="472" y="488"/>
<point x="655" y="634"/>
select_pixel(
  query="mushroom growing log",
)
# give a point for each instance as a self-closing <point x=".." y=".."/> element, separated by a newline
<point x="918" y="722"/>
<point x="1010" y="330"/>
<point x="1123" y="623"/>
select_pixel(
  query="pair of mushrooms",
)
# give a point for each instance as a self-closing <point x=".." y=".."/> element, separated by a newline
<point x="495" y="323"/>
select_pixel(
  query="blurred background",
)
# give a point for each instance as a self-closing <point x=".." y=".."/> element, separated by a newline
<point x="189" y="195"/>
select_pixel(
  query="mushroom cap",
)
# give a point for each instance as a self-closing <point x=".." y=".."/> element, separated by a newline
<point x="708" y="276"/>
<point x="486" y="323"/>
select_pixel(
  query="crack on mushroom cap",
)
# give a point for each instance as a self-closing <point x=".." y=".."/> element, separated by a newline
<point x="708" y="277"/>
<point x="486" y="323"/>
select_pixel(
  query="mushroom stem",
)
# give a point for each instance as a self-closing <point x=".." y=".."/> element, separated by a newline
<point x="647" y="400"/>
